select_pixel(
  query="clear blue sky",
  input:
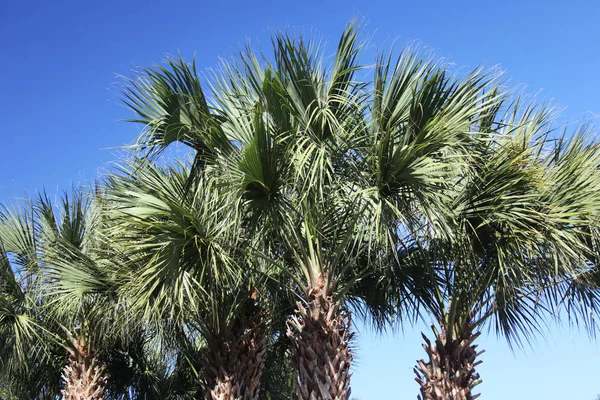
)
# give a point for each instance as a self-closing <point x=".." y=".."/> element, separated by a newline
<point x="59" y="112"/>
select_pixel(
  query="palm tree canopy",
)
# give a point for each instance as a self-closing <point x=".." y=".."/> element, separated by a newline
<point x="331" y="170"/>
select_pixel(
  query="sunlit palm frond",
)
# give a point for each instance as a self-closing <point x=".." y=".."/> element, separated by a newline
<point x="170" y="103"/>
<point x="72" y="255"/>
<point x="511" y="247"/>
<point x="176" y="242"/>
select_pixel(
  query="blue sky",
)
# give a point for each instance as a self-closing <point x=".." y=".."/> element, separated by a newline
<point x="60" y="112"/>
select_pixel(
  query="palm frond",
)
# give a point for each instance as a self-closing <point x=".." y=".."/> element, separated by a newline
<point x="170" y="103"/>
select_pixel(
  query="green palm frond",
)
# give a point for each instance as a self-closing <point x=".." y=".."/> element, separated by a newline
<point x="18" y="229"/>
<point x="514" y="248"/>
<point x="171" y="104"/>
<point x="261" y="168"/>
<point x="28" y="344"/>
<point x="176" y="242"/>
<point x="73" y="269"/>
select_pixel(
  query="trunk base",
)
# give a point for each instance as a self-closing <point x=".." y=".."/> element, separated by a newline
<point x="241" y="365"/>
<point x="320" y="335"/>
<point x="83" y="377"/>
<point x="450" y="372"/>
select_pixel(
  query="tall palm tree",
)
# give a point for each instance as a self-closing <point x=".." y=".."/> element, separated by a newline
<point x="521" y="212"/>
<point x="332" y="176"/>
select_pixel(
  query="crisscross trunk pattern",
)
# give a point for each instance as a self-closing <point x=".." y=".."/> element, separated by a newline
<point x="83" y="377"/>
<point x="241" y="365"/>
<point x="320" y="334"/>
<point x="450" y="372"/>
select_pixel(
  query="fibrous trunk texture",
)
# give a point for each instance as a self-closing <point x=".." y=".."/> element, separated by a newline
<point x="320" y="334"/>
<point x="450" y="372"/>
<point x="84" y="377"/>
<point x="238" y="367"/>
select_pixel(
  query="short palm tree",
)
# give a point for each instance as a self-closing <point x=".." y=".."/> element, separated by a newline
<point x="332" y="176"/>
<point x="78" y="290"/>
<point x="29" y="361"/>
<point x="522" y="210"/>
<point x="60" y="307"/>
<point x="186" y="275"/>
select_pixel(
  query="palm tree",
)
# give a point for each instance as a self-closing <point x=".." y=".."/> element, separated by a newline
<point x="60" y="311"/>
<point x="180" y="245"/>
<point x="332" y="176"/>
<point x="27" y="355"/>
<point x="78" y="290"/>
<point x="521" y="212"/>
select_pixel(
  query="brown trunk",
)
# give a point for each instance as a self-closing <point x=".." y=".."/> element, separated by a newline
<point x="83" y="377"/>
<point x="320" y="335"/>
<point x="450" y="373"/>
<point x="240" y="367"/>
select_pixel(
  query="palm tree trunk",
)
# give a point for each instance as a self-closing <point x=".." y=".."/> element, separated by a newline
<point x="238" y="367"/>
<point x="320" y="335"/>
<point x="450" y="372"/>
<point x="83" y="377"/>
